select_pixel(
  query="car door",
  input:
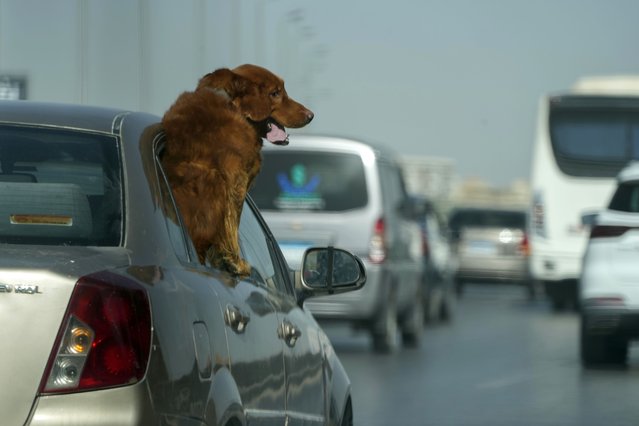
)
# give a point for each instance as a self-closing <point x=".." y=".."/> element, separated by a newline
<point x="297" y="331"/>
<point x="255" y="350"/>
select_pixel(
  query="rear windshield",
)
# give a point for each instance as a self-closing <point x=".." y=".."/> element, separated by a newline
<point x="596" y="139"/>
<point x="315" y="181"/>
<point x="59" y="187"/>
<point x="626" y="198"/>
<point x="478" y="218"/>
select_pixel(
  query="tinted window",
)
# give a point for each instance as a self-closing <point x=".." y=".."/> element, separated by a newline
<point x="626" y="198"/>
<point x="486" y="218"/>
<point x="59" y="187"/>
<point x="310" y="181"/>
<point x="257" y="251"/>
<point x="594" y="141"/>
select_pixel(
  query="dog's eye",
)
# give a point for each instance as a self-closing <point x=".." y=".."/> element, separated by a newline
<point x="276" y="93"/>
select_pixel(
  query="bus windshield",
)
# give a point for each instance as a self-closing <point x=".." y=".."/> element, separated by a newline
<point x="592" y="140"/>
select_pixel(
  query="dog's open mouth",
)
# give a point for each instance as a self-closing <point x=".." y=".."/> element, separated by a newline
<point x="275" y="133"/>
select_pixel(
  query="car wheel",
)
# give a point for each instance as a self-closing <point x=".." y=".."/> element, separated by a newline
<point x="446" y="307"/>
<point x="558" y="303"/>
<point x="459" y="287"/>
<point x="386" y="331"/>
<point x="413" y="324"/>
<point x="347" y="417"/>
<point x="531" y="292"/>
<point x="601" y="349"/>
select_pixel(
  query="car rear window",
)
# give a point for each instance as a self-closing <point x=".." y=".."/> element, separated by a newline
<point x="479" y="218"/>
<point x="626" y="198"/>
<point x="59" y="187"/>
<point x="310" y="181"/>
<point x="594" y="137"/>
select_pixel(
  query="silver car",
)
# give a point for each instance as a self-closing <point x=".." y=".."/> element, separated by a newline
<point x="323" y="190"/>
<point x="490" y="244"/>
<point x="107" y="315"/>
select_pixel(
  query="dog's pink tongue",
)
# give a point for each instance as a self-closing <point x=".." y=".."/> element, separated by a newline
<point x="276" y="134"/>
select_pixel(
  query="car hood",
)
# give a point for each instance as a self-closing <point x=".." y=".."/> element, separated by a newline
<point x="35" y="287"/>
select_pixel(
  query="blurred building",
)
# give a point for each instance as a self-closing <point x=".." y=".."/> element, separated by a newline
<point x="475" y="192"/>
<point x="436" y="178"/>
<point x="141" y="54"/>
<point x="430" y="177"/>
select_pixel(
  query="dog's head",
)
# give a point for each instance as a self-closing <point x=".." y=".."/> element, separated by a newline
<point x="261" y="97"/>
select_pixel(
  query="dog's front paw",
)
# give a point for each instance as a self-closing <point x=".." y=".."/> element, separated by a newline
<point x="240" y="268"/>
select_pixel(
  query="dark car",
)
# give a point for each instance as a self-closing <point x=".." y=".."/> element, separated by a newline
<point x="109" y="318"/>
<point x="438" y="279"/>
<point x="491" y="244"/>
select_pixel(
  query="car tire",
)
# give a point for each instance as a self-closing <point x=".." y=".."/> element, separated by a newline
<point x="459" y="287"/>
<point x="413" y="323"/>
<point x="347" y="417"/>
<point x="601" y="349"/>
<point x="386" y="331"/>
<point x="531" y="291"/>
<point x="446" y="307"/>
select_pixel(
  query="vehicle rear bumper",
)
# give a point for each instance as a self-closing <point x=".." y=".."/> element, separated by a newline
<point x="555" y="267"/>
<point x="504" y="270"/>
<point x="128" y="405"/>
<point x="622" y="322"/>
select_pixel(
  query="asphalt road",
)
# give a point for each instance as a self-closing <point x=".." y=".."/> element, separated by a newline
<point x="502" y="361"/>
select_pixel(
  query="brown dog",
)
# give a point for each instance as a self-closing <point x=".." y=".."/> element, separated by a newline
<point x="212" y="154"/>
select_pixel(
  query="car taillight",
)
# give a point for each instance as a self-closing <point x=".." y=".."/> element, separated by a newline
<point x="524" y="245"/>
<point x="377" y="245"/>
<point x="105" y="337"/>
<point x="605" y="301"/>
<point x="425" y="244"/>
<point x="606" y="231"/>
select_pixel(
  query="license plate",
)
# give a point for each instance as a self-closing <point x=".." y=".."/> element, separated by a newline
<point x="482" y="247"/>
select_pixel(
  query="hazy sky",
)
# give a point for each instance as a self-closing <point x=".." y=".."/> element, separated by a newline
<point x="457" y="78"/>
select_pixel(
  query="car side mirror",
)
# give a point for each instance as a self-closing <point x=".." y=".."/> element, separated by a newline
<point x="329" y="270"/>
<point x="588" y="219"/>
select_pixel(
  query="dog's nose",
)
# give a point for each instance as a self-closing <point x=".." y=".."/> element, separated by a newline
<point x="309" y="116"/>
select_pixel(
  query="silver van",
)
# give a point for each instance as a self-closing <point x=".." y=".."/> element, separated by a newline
<point x="332" y="191"/>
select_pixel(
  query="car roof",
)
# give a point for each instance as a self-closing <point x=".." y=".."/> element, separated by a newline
<point x="94" y="118"/>
<point x="313" y="142"/>
<point x="629" y="173"/>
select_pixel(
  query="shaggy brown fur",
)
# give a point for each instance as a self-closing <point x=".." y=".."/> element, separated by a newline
<point x="212" y="154"/>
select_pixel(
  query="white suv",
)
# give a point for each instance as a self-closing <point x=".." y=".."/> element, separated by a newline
<point x="609" y="286"/>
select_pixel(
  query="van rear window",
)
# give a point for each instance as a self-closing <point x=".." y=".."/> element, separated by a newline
<point x="596" y="138"/>
<point x="310" y="181"/>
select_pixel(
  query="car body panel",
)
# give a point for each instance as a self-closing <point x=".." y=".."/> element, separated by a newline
<point x="609" y="280"/>
<point x="200" y="369"/>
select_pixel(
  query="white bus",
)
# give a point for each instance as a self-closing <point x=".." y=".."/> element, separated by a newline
<point x="584" y="137"/>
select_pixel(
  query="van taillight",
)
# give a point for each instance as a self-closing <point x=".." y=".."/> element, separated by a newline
<point x="524" y="245"/>
<point x="105" y="337"/>
<point x="606" y="231"/>
<point x="425" y="244"/>
<point x="377" y="245"/>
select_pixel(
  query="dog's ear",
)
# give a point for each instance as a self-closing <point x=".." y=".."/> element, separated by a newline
<point x="253" y="103"/>
<point x="221" y="79"/>
<point x="243" y="93"/>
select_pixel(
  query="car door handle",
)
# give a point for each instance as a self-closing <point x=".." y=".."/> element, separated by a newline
<point x="235" y="319"/>
<point x="289" y="333"/>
